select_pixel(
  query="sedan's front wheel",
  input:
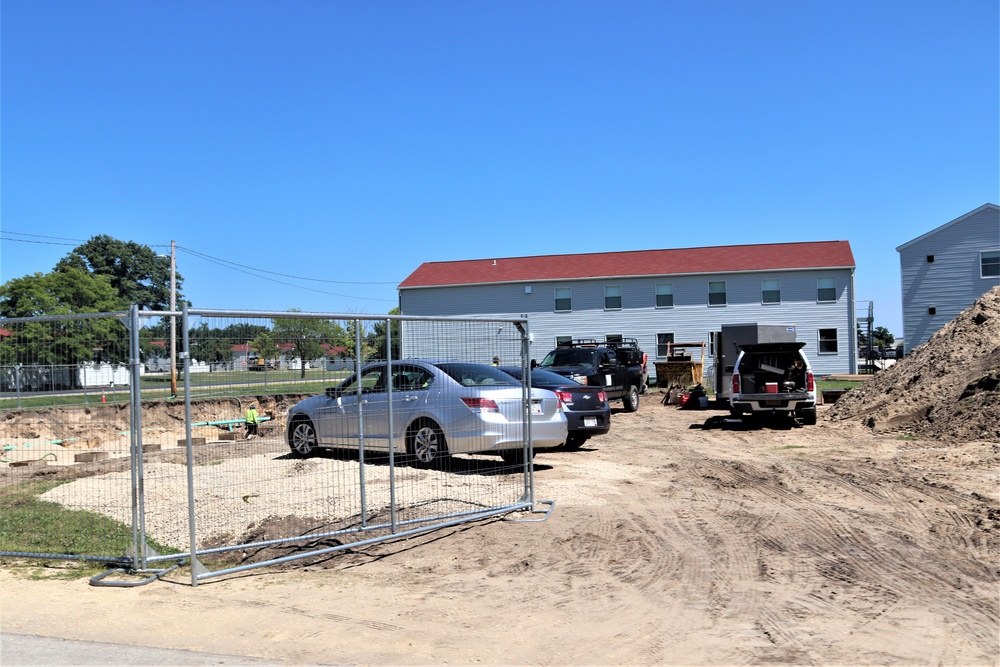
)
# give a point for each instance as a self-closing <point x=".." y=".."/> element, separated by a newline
<point x="302" y="438"/>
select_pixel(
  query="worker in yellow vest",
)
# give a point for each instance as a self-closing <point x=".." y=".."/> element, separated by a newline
<point x="251" y="421"/>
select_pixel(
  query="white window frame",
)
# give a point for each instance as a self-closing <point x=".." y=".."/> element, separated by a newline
<point x="775" y="288"/>
<point x="664" y="344"/>
<point x="659" y="291"/>
<point x="609" y="294"/>
<point x="568" y="298"/>
<point x="563" y="340"/>
<point x="820" y="341"/>
<point x="723" y="293"/>
<point x="991" y="254"/>
<point x="820" y="287"/>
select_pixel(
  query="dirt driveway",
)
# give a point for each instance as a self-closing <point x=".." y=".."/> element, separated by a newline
<point x="670" y="543"/>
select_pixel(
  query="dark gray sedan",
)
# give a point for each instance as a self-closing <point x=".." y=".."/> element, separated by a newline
<point x="587" y="410"/>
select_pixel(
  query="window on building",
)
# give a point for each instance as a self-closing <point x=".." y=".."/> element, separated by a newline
<point x="564" y="299"/>
<point x="613" y="338"/>
<point x="563" y="340"/>
<point x="826" y="289"/>
<point x="989" y="264"/>
<point x="717" y="293"/>
<point x="665" y="295"/>
<point x="828" y="341"/>
<point x="932" y="311"/>
<point x="930" y="258"/>
<point x="612" y="298"/>
<point x="663" y="342"/>
<point x="770" y="291"/>
<point x="711" y="344"/>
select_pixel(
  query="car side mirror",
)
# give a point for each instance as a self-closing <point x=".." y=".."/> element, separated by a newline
<point x="332" y="392"/>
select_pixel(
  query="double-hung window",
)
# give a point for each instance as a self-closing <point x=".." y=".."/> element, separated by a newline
<point x="828" y="341"/>
<point x="564" y="299"/>
<point x="770" y="291"/>
<point x="663" y="343"/>
<point x="664" y="295"/>
<point x="826" y="289"/>
<point x="989" y="264"/>
<point x="612" y="298"/>
<point x="717" y="293"/>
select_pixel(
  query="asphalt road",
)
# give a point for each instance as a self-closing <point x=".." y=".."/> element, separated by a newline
<point x="34" y="650"/>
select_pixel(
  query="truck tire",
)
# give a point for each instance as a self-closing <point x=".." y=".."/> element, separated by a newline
<point x="631" y="399"/>
<point x="808" y="417"/>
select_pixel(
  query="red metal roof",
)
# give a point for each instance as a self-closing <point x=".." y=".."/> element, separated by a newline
<point x="635" y="263"/>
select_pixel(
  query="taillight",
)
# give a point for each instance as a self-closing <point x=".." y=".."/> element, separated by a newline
<point x="810" y="381"/>
<point x="481" y="404"/>
<point x="602" y="396"/>
<point x="566" y="397"/>
<point x="736" y="383"/>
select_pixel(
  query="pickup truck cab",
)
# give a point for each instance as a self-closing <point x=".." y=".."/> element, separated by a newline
<point x="773" y="379"/>
<point x="617" y="368"/>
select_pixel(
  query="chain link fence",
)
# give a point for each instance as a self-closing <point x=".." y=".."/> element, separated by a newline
<point x="113" y="454"/>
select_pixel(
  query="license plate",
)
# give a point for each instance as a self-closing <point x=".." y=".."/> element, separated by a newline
<point x="590" y="421"/>
<point x="536" y="407"/>
<point x="772" y="404"/>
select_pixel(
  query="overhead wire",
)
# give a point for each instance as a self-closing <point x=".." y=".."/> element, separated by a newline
<point x="233" y="266"/>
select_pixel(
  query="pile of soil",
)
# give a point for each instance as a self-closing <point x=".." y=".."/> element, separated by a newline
<point x="947" y="388"/>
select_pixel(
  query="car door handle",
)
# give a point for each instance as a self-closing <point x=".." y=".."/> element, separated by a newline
<point x="409" y="398"/>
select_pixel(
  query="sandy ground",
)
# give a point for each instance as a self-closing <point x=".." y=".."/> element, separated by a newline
<point x="674" y="540"/>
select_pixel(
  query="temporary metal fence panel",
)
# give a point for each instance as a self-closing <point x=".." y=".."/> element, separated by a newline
<point x="349" y="451"/>
<point x="63" y="437"/>
<point x="140" y="471"/>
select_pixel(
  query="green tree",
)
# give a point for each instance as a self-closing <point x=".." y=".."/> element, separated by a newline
<point x="65" y="292"/>
<point x="378" y="337"/>
<point x="62" y="292"/>
<point x="137" y="273"/>
<point x="267" y="346"/>
<point x="882" y="338"/>
<point x="306" y="336"/>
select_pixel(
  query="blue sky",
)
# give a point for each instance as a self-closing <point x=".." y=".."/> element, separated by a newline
<point x="347" y="143"/>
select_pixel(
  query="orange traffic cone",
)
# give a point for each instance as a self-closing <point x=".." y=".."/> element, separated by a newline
<point x="104" y="399"/>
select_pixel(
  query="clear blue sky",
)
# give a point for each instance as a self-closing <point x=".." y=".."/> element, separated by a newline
<point x="348" y="142"/>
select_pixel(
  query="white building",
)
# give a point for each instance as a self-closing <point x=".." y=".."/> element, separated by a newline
<point x="656" y="296"/>
<point x="944" y="271"/>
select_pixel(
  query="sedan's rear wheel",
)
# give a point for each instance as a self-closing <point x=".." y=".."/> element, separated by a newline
<point x="513" y="457"/>
<point x="426" y="445"/>
<point x="302" y="438"/>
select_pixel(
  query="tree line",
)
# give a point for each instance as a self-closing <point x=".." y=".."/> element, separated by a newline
<point x="105" y="275"/>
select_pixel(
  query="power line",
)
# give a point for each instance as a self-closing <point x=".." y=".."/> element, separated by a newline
<point x="233" y="267"/>
<point x="283" y="275"/>
<point x="41" y="236"/>
<point x="35" y="242"/>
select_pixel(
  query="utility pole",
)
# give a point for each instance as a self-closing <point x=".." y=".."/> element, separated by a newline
<point x="173" y="319"/>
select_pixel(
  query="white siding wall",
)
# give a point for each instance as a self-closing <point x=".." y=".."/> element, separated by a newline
<point x="952" y="282"/>
<point x="690" y="319"/>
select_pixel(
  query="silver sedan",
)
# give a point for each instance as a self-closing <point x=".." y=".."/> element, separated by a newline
<point x="434" y="408"/>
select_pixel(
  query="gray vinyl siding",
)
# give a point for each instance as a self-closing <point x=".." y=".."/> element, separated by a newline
<point x="952" y="282"/>
<point x="690" y="319"/>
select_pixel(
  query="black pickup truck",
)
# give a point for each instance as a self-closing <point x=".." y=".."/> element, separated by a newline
<point x="618" y="367"/>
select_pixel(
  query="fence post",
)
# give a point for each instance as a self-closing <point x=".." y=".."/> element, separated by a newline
<point x="196" y="567"/>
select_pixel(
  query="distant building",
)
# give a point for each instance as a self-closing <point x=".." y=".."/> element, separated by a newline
<point x="655" y="296"/>
<point x="944" y="271"/>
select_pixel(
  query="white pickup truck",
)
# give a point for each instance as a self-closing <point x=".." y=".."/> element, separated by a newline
<point x="773" y="379"/>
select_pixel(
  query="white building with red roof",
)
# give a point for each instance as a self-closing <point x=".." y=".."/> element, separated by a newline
<point x="656" y="296"/>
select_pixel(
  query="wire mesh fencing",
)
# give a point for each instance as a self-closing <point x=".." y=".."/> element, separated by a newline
<point x="276" y="436"/>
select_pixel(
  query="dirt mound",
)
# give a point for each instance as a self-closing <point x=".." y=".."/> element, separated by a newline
<point x="947" y="388"/>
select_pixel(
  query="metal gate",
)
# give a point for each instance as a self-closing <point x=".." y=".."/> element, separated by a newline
<point x="112" y="455"/>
